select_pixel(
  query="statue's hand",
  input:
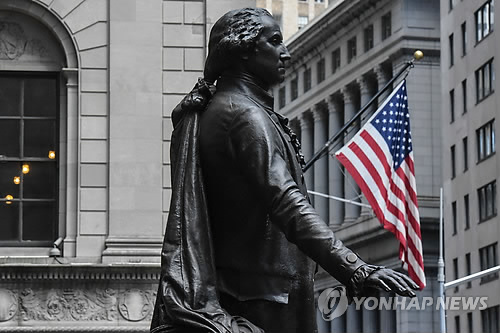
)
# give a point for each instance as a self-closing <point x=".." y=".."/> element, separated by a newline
<point x="390" y="280"/>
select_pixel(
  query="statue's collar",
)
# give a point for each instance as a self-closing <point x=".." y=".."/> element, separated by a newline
<point x="246" y="85"/>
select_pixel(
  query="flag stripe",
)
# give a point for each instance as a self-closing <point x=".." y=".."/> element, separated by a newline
<point x="380" y="159"/>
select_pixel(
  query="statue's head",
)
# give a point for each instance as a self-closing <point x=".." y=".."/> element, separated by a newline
<point x="247" y="39"/>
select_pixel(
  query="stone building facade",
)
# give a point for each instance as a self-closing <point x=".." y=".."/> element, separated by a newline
<point x="86" y="90"/>
<point x="338" y="63"/>
<point x="294" y="15"/>
<point x="470" y="165"/>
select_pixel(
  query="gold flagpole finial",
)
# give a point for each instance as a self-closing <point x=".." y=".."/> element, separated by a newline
<point x="418" y="55"/>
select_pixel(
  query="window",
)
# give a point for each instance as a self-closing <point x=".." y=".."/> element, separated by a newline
<point x="488" y="259"/>
<point x="335" y="60"/>
<point x="484" y="20"/>
<point x="307" y="79"/>
<point x="464" y="38"/>
<point x="466" y="212"/>
<point x="485" y="141"/>
<point x="302" y="21"/>
<point x="468" y="268"/>
<point x="351" y="49"/>
<point x="321" y="70"/>
<point x="457" y="324"/>
<point x="294" y="88"/>
<point x="455" y="272"/>
<point x="485" y="81"/>
<point x="465" y="145"/>
<point x="282" y="97"/>
<point x="319" y="1"/>
<point x="450" y="45"/>
<point x="454" y="216"/>
<point x="368" y="37"/>
<point x="452" y="158"/>
<point x="28" y="163"/>
<point x="386" y="26"/>
<point x="490" y="319"/>
<point x="470" y="325"/>
<point x="487" y="201"/>
<point x="464" y="96"/>
<point x="452" y="105"/>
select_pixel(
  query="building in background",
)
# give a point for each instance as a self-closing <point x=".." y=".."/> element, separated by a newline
<point x="86" y="91"/>
<point x="293" y="15"/>
<point x="338" y="63"/>
<point x="470" y="165"/>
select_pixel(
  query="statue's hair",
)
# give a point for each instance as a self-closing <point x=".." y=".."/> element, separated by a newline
<point x="235" y="33"/>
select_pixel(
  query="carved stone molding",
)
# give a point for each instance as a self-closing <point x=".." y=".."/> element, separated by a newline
<point x="136" y="305"/>
<point x="13" y="272"/>
<point x="68" y="305"/>
<point x="14" y="43"/>
<point x="8" y="305"/>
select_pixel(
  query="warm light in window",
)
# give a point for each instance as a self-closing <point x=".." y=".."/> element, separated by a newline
<point x="26" y="168"/>
<point x="52" y="154"/>
<point x="17" y="180"/>
<point x="8" y="197"/>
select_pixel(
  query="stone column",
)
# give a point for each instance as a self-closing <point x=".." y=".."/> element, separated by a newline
<point x="323" y="326"/>
<point x="354" y="319"/>
<point x="338" y="324"/>
<point x="72" y="150"/>
<point x="335" y="176"/>
<point x="365" y="96"/>
<point x="321" y="165"/>
<point x="382" y="79"/>
<point x="387" y="316"/>
<point x="307" y="142"/>
<point x="370" y="320"/>
<point x="351" y="189"/>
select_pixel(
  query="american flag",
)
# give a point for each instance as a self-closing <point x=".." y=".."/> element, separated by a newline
<point x="380" y="159"/>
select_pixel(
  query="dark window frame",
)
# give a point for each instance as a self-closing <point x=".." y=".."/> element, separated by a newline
<point x="488" y="257"/>
<point x="336" y="61"/>
<point x="386" y="23"/>
<point x="25" y="158"/>
<point x="485" y="81"/>
<point x="485" y="141"/>
<point x="483" y="14"/>
<point x="486" y="197"/>
<point x="351" y="49"/>
<point x="307" y="79"/>
<point x="368" y="37"/>
<point x="320" y="70"/>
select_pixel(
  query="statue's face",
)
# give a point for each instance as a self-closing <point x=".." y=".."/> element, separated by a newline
<point x="267" y="63"/>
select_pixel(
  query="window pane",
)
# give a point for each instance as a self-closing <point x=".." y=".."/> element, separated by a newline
<point x="40" y="182"/>
<point x="486" y="19"/>
<point x="489" y="202"/>
<point x="479" y="25"/>
<point x="492" y="15"/>
<point x="10" y="96"/>
<point x="39" y="219"/>
<point x="480" y="144"/>
<point x="487" y="81"/>
<point x="487" y="138"/>
<point x="9" y="138"/>
<point x="40" y="97"/>
<point x="492" y="137"/>
<point x="8" y="171"/>
<point x="39" y="137"/>
<point x="9" y="217"/>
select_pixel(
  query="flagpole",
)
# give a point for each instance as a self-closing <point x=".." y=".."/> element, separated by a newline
<point x="416" y="56"/>
<point x="440" y="276"/>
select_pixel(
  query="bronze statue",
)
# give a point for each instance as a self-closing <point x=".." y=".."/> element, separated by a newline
<point x="242" y="239"/>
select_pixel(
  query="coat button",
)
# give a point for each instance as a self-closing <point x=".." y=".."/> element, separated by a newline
<point x="351" y="258"/>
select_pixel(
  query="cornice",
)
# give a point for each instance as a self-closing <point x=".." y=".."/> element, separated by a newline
<point x="76" y="271"/>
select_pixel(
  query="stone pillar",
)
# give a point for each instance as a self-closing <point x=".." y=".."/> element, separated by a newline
<point x="135" y="123"/>
<point x="354" y="319"/>
<point x="323" y="326"/>
<point x="72" y="149"/>
<point x="321" y="165"/>
<point x="306" y="134"/>
<point x="370" y="320"/>
<point x="351" y="189"/>
<point x="387" y="316"/>
<point x="338" y="324"/>
<point x="382" y="79"/>
<point x="335" y="176"/>
<point x="365" y="96"/>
